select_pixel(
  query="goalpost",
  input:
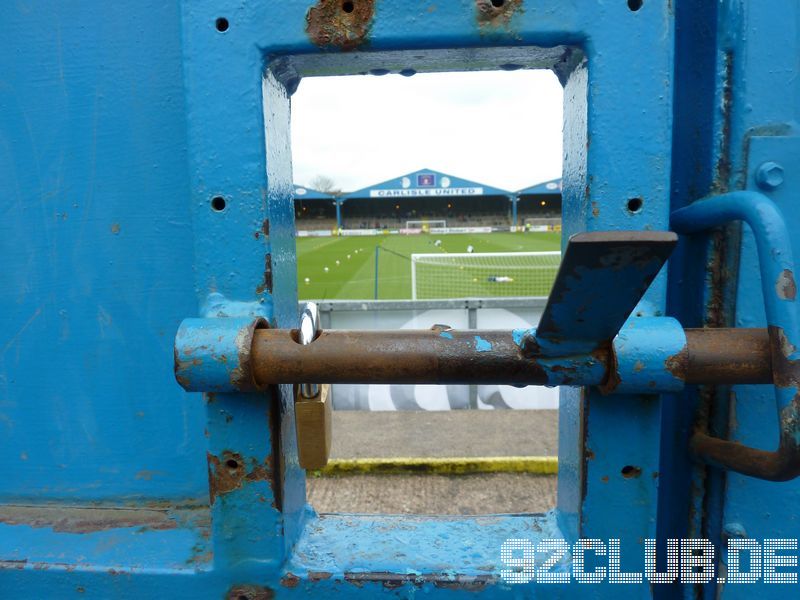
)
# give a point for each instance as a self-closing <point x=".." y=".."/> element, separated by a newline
<point x="489" y="274"/>
<point x="425" y="225"/>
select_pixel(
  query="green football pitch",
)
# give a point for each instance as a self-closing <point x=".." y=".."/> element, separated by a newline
<point x="343" y="268"/>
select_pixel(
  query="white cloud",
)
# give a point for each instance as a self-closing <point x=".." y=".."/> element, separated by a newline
<point x="498" y="128"/>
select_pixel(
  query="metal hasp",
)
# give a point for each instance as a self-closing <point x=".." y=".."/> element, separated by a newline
<point x="602" y="277"/>
<point x="780" y="291"/>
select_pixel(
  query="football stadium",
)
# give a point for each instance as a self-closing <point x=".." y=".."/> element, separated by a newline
<point x="428" y="235"/>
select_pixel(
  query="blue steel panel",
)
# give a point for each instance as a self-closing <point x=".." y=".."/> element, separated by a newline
<point x="97" y="241"/>
<point x="761" y="509"/>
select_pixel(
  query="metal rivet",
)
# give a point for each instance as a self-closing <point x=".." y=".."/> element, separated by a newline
<point x="769" y="175"/>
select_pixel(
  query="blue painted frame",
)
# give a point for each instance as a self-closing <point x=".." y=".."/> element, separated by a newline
<point x="116" y="148"/>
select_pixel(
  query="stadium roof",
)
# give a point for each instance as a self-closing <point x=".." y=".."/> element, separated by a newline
<point x="552" y="187"/>
<point x="306" y="193"/>
<point x="425" y="183"/>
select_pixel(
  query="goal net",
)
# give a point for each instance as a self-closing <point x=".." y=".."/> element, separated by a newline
<point x="426" y="225"/>
<point x="483" y="275"/>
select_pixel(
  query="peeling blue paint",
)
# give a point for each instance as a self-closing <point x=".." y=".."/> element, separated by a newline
<point x="519" y="335"/>
<point x="482" y="345"/>
<point x="446" y="334"/>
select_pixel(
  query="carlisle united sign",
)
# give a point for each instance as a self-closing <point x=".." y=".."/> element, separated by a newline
<point x="425" y="186"/>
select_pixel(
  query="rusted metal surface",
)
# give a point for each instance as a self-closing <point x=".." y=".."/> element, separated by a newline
<point x="785" y="287"/>
<point x="86" y="520"/>
<point x="426" y="356"/>
<point x="229" y="471"/>
<point x="266" y="284"/>
<point x="784" y="463"/>
<point x="250" y="592"/>
<point x="496" y="12"/>
<point x="450" y="356"/>
<point x="776" y="264"/>
<point x="342" y="24"/>
<point x="730" y="356"/>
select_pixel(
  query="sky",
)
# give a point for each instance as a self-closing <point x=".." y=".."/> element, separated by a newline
<point x="495" y="127"/>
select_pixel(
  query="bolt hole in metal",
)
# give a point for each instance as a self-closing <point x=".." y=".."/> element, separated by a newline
<point x="222" y="24"/>
<point x="348" y="6"/>
<point x="498" y="3"/>
<point x="635" y="5"/>
<point x="630" y="472"/>
<point x="218" y="204"/>
<point x="232" y="464"/>
<point x="635" y="205"/>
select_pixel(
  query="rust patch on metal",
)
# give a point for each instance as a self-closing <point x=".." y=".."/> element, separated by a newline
<point x="263" y="231"/>
<point x="242" y="376"/>
<point x="342" y="24"/>
<point x="179" y="366"/>
<point x="678" y="364"/>
<point x="723" y="168"/>
<point x="228" y="472"/>
<point x="266" y="284"/>
<point x="319" y="575"/>
<point x="224" y="474"/>
<point x="786" y="373"/>
<point x="290" y="580"/>
<point x="250" y="592"/>
<point x="785" y="286"/>
<point x="85" y="520"/>
<point x="339" y="356"/>
<point x="723" y="356"/>
<point x="496" y="13"/>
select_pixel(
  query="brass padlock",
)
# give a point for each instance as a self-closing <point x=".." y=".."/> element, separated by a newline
<point x="312" y="406"/>
<point x="313" y="425"/>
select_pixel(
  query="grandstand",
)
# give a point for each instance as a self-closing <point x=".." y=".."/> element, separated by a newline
<point x="314" y="210"/>
<point x="428" y="195"/>
<point x="539" y="206"/>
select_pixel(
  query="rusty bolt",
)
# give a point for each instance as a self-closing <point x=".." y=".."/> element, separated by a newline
<point x="769" y="175"/>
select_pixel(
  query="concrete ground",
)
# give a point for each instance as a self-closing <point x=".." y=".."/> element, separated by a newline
<point x="359" y="434"/>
